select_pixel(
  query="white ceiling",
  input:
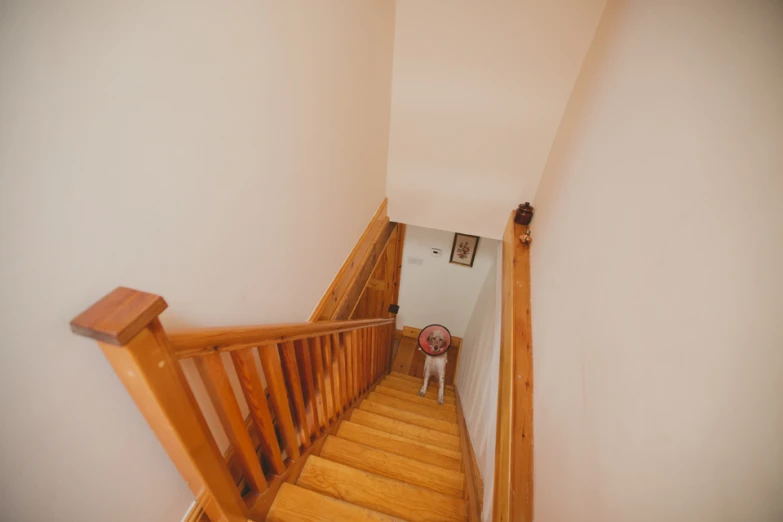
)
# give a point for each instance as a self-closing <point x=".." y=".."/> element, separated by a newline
<point x="478" y="91"/>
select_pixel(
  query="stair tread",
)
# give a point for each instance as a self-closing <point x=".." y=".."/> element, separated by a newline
<point x="434" y="411"/>
<point x="296" y="504"/>
<point x="414" y="398"/>
<point x="404" y="429"/>
<point x="415" y="379"/>
<point x="416" y="384"/>
<point x="379" y="493"/>
<point x="410" y="417"/>
<point x="391" y="443"/>
<point x="413" y="388"/>
<point x="393" y="466"/>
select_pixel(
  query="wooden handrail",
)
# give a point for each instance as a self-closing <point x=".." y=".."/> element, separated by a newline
<point x="203" y="341"/>
<point x="513" y="488"/>
<point x="315" y="373"/>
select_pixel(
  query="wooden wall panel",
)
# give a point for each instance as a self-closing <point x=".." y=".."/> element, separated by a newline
<point x="513" y="491"/>
<point x="368" y="261"/>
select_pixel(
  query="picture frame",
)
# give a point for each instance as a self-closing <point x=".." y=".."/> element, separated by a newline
<point x="463" y="250"/>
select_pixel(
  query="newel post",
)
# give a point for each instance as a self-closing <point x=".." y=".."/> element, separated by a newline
<point x="125" y="324"/>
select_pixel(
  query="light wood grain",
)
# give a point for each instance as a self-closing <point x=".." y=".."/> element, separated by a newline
<point x="407" y="396"/>
<point x="350" y="366"/>
<point x="400" y="446"/>
<point x="409" y="417"/>
<point x="474" y="486"/>
<point x="278" y="395"/>
<point x="353" y="263"/>
<point x="416" y="380"/>
<point x="203" y="341"/>
<point x="393" y="466"/>
<point x="331" y="392"/>
<point x="216" y="382"/>
<point x="403" y="429"/>
<point x="253" y="391"/>
<point x="295" y="393"/>
<point x="350" y="298"/>
<point x="317" y="361"/>
<point x="306" y="375"/>
<point x="118" y="316"/>
<point x="155" y="381"/>
<point x="338" y="344"/>
<point x="295" y="504"/>
<point x="434" y="411"/>
<point x="412" y="388"/>
<point x="379" y="493"/>
<point x="261" y="505"/>
<point x="513" y="481"/>
<point x="415" y="384"/>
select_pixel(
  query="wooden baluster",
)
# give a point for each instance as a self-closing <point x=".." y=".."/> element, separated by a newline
<point x="253" y="390"/>
<point x="339" y="343"/>
<point x="349" y="366"/>
<point x="317" y="359"/>
<point x="367" y="351"/>
<point x="125" y="324"/>
<point x="294" y="385"/>
<point x="356" y="341"/>
<point x="329" y="384"/>
<point x="390" y="351"/>
<point x="305" y="363"/>
<point x="215" y="378"/>
<point x="374" y="346"/>
<point x="278" y="394"/>
<point x="358" y="349"/>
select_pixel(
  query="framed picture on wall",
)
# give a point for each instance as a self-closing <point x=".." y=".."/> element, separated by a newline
<point x="463" y="251"/>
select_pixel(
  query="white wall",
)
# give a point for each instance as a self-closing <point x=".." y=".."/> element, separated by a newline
<point x="195" y="150"/>
<point x="656" y="273"/>
<point x="438" y="291"/>
<point x="477" y="376"/>
<point x="479" y="89"/>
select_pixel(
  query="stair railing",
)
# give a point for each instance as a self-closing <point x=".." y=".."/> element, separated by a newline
<point x="314" y="372"/>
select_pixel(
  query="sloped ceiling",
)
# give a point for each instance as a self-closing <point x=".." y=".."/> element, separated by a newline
<point x="478" y="91"/>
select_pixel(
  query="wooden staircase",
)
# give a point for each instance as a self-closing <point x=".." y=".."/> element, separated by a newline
<point x="395" y="456"/>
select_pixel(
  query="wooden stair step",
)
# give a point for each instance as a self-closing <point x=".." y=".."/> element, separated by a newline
<point x="410" y="418"/>
<point x="447" y="391"/>
<point x="400" y="445"/>
<point x="434" y="411"/>
<point x="403" y="429"/>
<point x="418" y="380"/>
<point x="405" y="396"/>
<point x="379" y="493"/>
<point x="295" y="504"/>
<point x="411" y="388"/>
<point x="393" y="466"/>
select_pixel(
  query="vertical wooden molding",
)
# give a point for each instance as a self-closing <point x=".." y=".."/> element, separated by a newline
<point x="513" y="489"/>
<point x="128" y="331"/>
<point x="474" y="487"/>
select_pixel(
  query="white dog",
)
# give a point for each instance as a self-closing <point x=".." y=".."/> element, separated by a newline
<point x="437" y="341"/>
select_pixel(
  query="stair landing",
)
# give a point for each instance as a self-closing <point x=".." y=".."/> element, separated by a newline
<point x="396" y="456"/>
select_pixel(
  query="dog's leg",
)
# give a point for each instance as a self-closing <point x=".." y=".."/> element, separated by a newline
<point x="426" y="378"/>
<point x="441" y="383"/>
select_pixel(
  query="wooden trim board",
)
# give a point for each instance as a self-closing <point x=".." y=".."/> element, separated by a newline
<point x="474" y="484"/>
<point x="349" y="277"/>
<point x="513" y="488"/>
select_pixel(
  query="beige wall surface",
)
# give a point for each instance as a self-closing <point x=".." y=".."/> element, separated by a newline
<point x="477" y="375"/>
<point x="657" y="273"/>
<point x="479" y="89"/>
<point x="227" y="157"/>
